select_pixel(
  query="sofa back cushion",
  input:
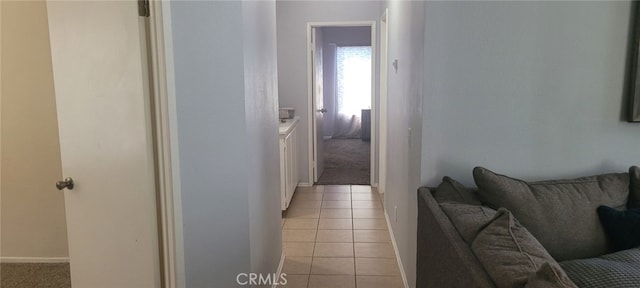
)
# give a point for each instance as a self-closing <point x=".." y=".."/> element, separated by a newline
<point x="561" y="214"/>
<point x="509" y="253"/>
<point x="451" y="191"/>
<point x="634" y="193"/>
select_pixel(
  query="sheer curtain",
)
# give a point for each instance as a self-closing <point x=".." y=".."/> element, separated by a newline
<point x="353" y="89"/>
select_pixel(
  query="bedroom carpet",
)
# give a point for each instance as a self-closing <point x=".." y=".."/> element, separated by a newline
<point x="41" y="275"/>
<point x="346" y="161"/>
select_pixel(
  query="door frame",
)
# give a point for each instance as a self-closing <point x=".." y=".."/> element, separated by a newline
<point x="312" y="105"/>
<point x="165" y="141"/>
<point x="311" y="54"/>
<point x="384" y="70"/>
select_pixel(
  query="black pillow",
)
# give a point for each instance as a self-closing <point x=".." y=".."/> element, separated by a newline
<point x="622" y="227"/>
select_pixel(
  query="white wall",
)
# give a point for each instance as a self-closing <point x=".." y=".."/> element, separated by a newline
<point x="338" y="36"/>
<point x="530" y="89"/>
<point x="33" y="214"/>
<point x="293" y="17"/>
<point x="405" y="86"/>
<point x="261" y="107"/>
<point x="224" y="58"/>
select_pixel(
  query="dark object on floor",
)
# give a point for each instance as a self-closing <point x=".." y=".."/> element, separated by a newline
<point x="42" y="275"/>
<point x="346" y="161"/>
<point x="365" y="133"/>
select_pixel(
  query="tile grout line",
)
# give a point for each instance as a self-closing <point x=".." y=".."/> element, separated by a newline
<point x="353" y="237"/>
<point x="315" y="240"/>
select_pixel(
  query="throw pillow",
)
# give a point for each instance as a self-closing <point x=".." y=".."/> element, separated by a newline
<point x="549" y="276"/>
<point x="634" y="193"/>
<point x="452" y="191"/>
<point x="468" y="219"/>
<point x="622" y="227"/>
<point x="508" y="252"/>
<point x="561" y="213"/>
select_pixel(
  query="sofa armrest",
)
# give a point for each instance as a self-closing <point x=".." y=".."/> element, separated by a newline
<point x="444" y="259"/>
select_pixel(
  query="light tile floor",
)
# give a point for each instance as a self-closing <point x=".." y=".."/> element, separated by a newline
<point x="336" y="236"/>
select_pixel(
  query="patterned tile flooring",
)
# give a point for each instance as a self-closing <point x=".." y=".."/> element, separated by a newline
<point x="336" y="236"/>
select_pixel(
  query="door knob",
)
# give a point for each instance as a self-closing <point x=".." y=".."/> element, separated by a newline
<point x="323" y="110"/>
<point x="66" y="183"/>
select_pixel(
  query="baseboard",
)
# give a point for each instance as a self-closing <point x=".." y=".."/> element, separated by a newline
<point x="279" y="271"/>
<point x="304" y="184"/>
<point x="327" y="137"/>
<point x="34" y="259"/>
<point x="395" y="248"/>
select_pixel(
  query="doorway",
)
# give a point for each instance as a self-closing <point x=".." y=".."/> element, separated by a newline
<point x="342" y="96"/>
<point x="75" y="126"/>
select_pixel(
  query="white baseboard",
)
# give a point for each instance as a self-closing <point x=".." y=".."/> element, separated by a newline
<point x="395" y="248"/>
<point x="304" y="184"/>
<point x="327" y="137"/>
<point x="34" y="259"/>
<point x="279" y="271"/>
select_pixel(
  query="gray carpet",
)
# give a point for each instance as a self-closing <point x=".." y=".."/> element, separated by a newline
<point x="346" y="161"/>
<point x="41" y="275"/>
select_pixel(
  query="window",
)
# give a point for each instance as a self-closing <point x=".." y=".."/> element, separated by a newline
<point x="353" y="79"/>
<point x="353" y="89"/>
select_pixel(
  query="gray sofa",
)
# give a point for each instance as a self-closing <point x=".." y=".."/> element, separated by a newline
<point x="448" y="255"/>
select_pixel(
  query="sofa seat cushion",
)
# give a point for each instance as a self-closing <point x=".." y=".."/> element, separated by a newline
<point x="620" y="269"/>
<point x="451" y="191"/>
<point x="509" y="253"/>
<point x="561" y="214"/>
<point x="622" y="227"/>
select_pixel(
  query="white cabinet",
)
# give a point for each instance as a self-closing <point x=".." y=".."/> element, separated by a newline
<point x="288" y="160"/>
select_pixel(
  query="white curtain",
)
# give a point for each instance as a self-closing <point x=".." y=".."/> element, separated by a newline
<point x="353" y="89"/>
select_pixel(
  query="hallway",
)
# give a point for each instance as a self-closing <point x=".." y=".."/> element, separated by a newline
<point x="337" y="236"/>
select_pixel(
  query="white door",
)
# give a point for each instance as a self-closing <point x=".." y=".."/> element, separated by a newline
<point x="100" y="75"/>
<point x="318" y="98"/>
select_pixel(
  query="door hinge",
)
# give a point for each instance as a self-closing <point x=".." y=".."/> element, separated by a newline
<point x="143" y="8"/>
